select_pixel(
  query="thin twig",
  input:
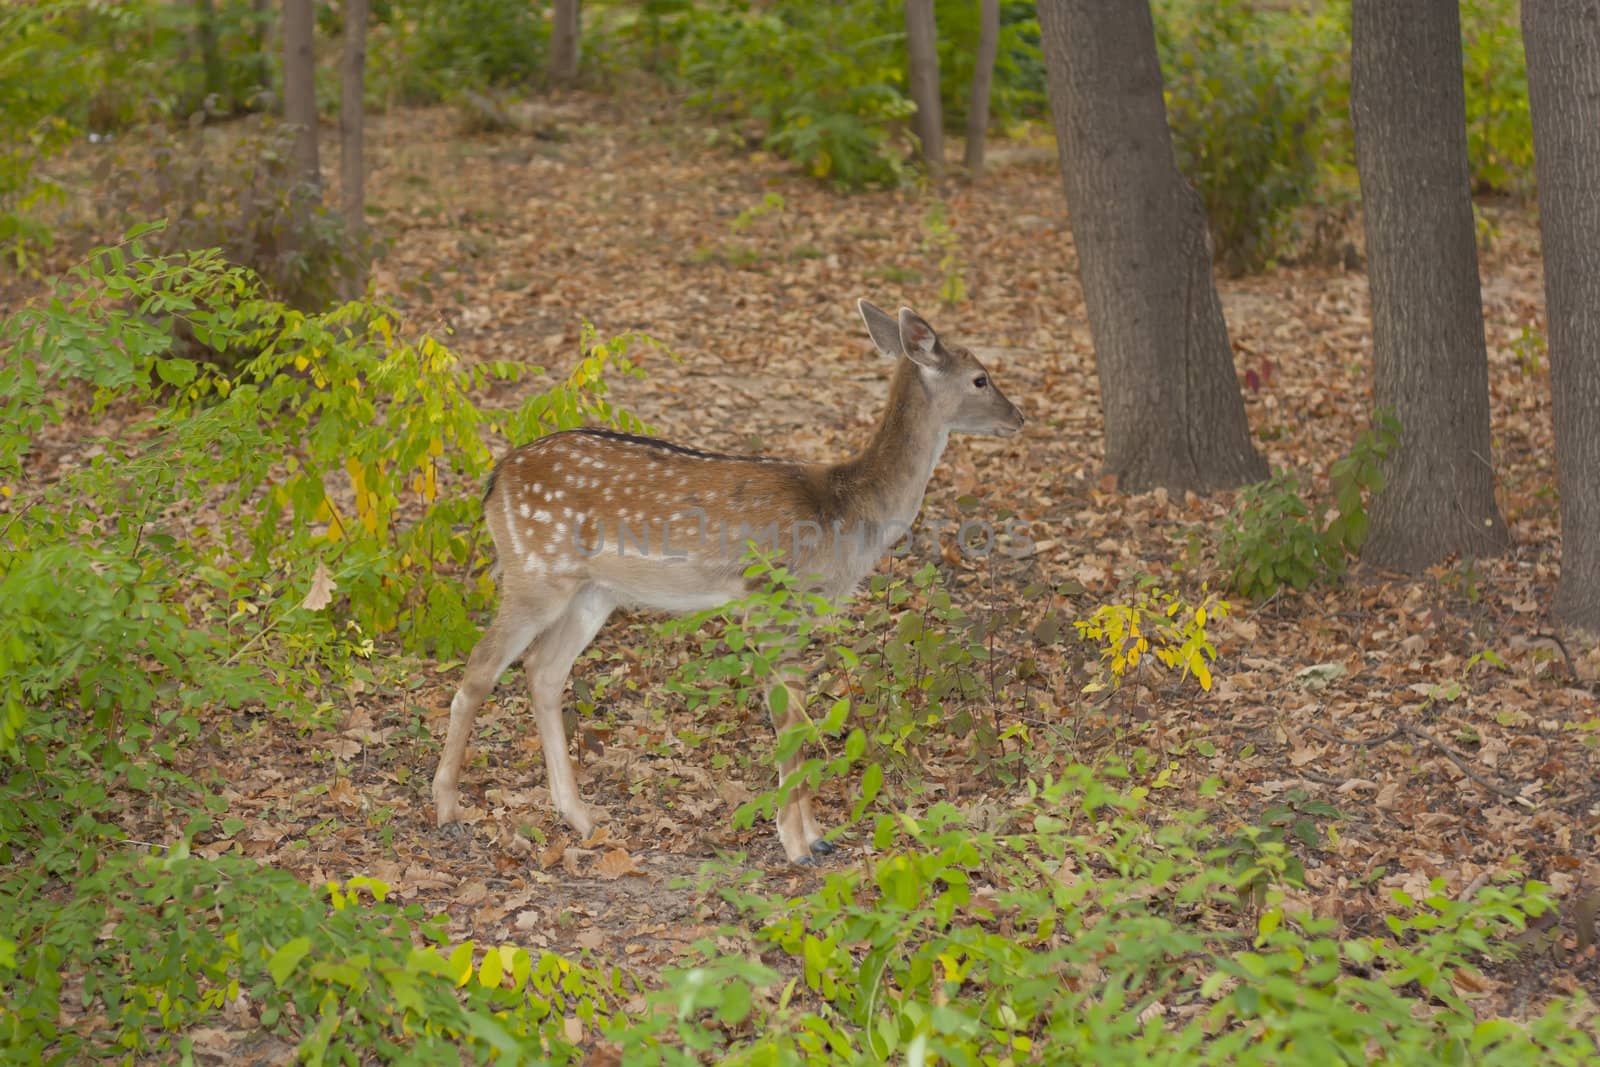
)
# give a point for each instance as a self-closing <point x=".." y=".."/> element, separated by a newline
<point x="1461" y="762"/>
<point x="1259" y="608"/>
<point x="1406" y="729"/>
<point x="1360" y="742"/>
<point x="1572" y="668"/>
<point x="1313" y="776"/>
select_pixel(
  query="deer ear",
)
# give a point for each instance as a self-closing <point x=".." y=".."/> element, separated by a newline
<point x="881" y="325"/>
<point x="919" y="341"/>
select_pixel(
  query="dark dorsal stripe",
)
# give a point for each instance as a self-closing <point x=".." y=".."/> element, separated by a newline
<point x="665" y="446"/>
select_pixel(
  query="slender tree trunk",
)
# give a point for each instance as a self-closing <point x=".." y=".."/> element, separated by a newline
<point x="352" y="116"/>
<point x="1429" y="360"/>
<point x="1173" y="413"/>
<point x="982" y="79"/>
<point x="1562" y="38"/>
<point x="300" y="87"/>
<point x="923" y="52"/>
<point x="565" y="27"/>
<point x="205" y="31"/>
<point x="262" y="12"/>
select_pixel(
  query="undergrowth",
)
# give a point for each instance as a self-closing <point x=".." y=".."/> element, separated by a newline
<point x="248" y="533"/>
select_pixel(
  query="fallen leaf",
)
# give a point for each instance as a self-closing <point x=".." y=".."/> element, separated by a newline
<point x="321" y="591"/>
<point x="615" y="864"/>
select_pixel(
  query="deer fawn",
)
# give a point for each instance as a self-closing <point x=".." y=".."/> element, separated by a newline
<point x="586" y="521"/>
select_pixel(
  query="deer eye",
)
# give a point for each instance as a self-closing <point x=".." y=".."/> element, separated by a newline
<point x="981" y="381"/>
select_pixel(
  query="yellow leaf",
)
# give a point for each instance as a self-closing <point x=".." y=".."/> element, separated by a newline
<point x="491" y="972"/>
<point x="460" y="963"/>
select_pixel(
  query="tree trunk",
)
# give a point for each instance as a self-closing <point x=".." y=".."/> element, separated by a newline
<point x="565" y="25"/>
<point x="300" y="87"/>
<point x="1173" y="413"/>
<point x="1430" y="365"/>
<point x="261" y="12"/>
<point x="982" y="79"/>
<point x="352" y="114"/>
<point x="923" y="52"/>
<point x="1562" y="38"/>
<point x="205" y="31"/>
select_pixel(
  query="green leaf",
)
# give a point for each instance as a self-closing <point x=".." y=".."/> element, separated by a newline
<point x="287" y="958"/>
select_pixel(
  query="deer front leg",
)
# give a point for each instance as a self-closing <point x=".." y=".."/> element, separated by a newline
<point x="798" y="830"/>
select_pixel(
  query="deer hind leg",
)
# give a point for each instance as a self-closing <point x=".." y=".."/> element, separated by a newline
<point x="549" y="663"/>
<point x="798" y="830"/>
<point x="515" y="626"/>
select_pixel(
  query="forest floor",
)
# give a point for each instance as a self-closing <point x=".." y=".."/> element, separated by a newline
<point x="1370" y="696"/>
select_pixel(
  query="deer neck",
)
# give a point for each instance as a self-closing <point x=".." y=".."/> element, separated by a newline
<point x="882" y="485"/>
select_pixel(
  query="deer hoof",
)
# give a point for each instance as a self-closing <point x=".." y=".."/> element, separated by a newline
<point x="456" y="831"/>
<point x="823" y="847"/>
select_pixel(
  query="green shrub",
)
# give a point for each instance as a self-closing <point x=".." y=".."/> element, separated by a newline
<point x="365" y="427"/>
<point x="241" y="534"/>
<point x="1259" y="102"/>
<point x="35" y="88"/>
<point x="143" y="61"/>
<point x="1245" y="118"/>
<point x="148" y="947"/>
<point x="1499" y="127"/>
<point x="1271" y="538"/>
<point x="431" y="50"/>
<point x="238" y="191"/>
<point x="1069" y="929"/>
<point x="1018" y="89"/>
<point x="826" y="84"/>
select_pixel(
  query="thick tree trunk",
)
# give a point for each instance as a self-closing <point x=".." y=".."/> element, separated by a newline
<point x="1173" y="413"/>
<point x="982" y="80"/>
<point x="1430" y="365"/>
<point x="352" y="115"/>
<point x="565" y="28"/>
<point x="923" y="51"/>
<point x="1562" y="38"/>
<point x="300" y="87"/>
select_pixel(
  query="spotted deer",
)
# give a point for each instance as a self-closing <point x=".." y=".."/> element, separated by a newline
<point x="586" y="521"/>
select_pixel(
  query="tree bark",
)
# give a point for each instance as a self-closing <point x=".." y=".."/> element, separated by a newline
<point x="982" y="80"/>
<point x="300" y="87"/>
<point x="205" y="31"/>
<point x="1174" y="416"/>
<point x="923" y="52"/>
<point x="1562" y="38"/>
<point x="1430" y="364"/>
<point x="565" y="26"/>
<point x="261" y="11"/>
<point x="352" y="116"/>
